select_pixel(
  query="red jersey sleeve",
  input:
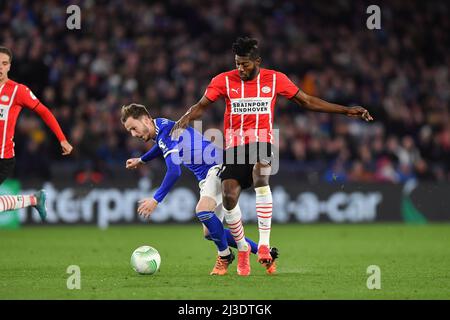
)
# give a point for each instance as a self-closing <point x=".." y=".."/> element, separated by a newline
<point x="50" y="121"/>
<point x="216" y="88"/>
<point x="285" y="86"/>
<point x="26" y="98"/>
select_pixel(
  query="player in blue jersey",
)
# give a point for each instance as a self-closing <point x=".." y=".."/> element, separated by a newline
<point x="201" y="157"/>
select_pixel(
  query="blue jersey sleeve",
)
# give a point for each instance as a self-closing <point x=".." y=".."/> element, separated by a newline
<point x="172" y="175"/>
<point x="153" y="153"/>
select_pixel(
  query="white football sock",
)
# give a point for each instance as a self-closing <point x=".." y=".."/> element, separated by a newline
<point x="225" y="252"/>
<point x="16" y="202"/>
<point x="264" y="212"/>
<point x="234" y="221"/>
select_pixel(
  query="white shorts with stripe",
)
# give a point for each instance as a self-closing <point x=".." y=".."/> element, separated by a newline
<point x="211" y="186"/>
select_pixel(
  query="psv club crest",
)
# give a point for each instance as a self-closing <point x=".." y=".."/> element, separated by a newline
<point x="265" y="89"/>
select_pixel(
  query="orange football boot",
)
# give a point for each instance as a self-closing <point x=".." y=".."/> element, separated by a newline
<point x="271" y="267"/>
<point x="222" y="264"/>
<point x="243" y="267"/>
<point x="264" y="254"/>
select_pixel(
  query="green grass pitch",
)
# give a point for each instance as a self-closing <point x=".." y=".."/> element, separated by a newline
<point x="321" y="261"/>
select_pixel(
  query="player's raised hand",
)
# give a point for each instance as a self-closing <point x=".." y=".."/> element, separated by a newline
<point x="133" y="163"/>
<point x="179" y="127"/>
<point x="359" y="112"/>
<point x="147" y="206"/>
<point x="66" y="148"/>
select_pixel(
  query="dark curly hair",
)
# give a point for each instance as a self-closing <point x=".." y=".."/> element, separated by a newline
<point x="246" y="47"/>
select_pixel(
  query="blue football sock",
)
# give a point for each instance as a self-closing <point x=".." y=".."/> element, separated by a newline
<point x="215" y="228"/>
<point x="232" y="242"/>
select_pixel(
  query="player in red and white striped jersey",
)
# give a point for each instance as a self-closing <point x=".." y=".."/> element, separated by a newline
<point x="13" y="97"/>
<point x="250" y="94"/>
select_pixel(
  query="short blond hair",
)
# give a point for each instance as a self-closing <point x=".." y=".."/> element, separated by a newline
<point x="133" y="110"/>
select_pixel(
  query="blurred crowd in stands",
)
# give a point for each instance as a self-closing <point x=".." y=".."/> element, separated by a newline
<point x="163" y="54"/>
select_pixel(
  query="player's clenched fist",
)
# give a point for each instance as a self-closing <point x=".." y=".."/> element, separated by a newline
<point x="66" y="147"/>
<point x="133" y="163"/>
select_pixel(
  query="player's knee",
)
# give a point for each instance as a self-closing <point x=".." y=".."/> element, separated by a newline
<point x="230" y="200"/>
<point x="261" y="175"/>
<point x="205" y="204"/>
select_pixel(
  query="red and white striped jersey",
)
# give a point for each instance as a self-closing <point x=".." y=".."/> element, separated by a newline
<point x="250" y="104"/>
<point x="13" y="97"/>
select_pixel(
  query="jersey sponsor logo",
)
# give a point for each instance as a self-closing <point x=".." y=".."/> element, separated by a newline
<point x="266" y="89"/>
<point x="235" y="90"/>
<point x="4" y="98"/>
<point x="251" y="106"/>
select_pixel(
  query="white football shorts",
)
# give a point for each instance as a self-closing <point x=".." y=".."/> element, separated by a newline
<point x="211" y="186"/>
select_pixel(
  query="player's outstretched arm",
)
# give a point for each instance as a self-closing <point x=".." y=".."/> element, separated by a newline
<point x="53" y="124"/>
<point x="147" y="206"/>
<point x="153" y="153"/>
<point x="28" y="100"/>
<point x="319" y="105"/>
<point x="194" y="112"/>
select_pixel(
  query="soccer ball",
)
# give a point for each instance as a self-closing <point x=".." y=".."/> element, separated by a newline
<point x="145" y="260"/>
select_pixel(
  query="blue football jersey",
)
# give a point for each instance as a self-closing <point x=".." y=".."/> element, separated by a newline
<point x="191" y="149"/>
